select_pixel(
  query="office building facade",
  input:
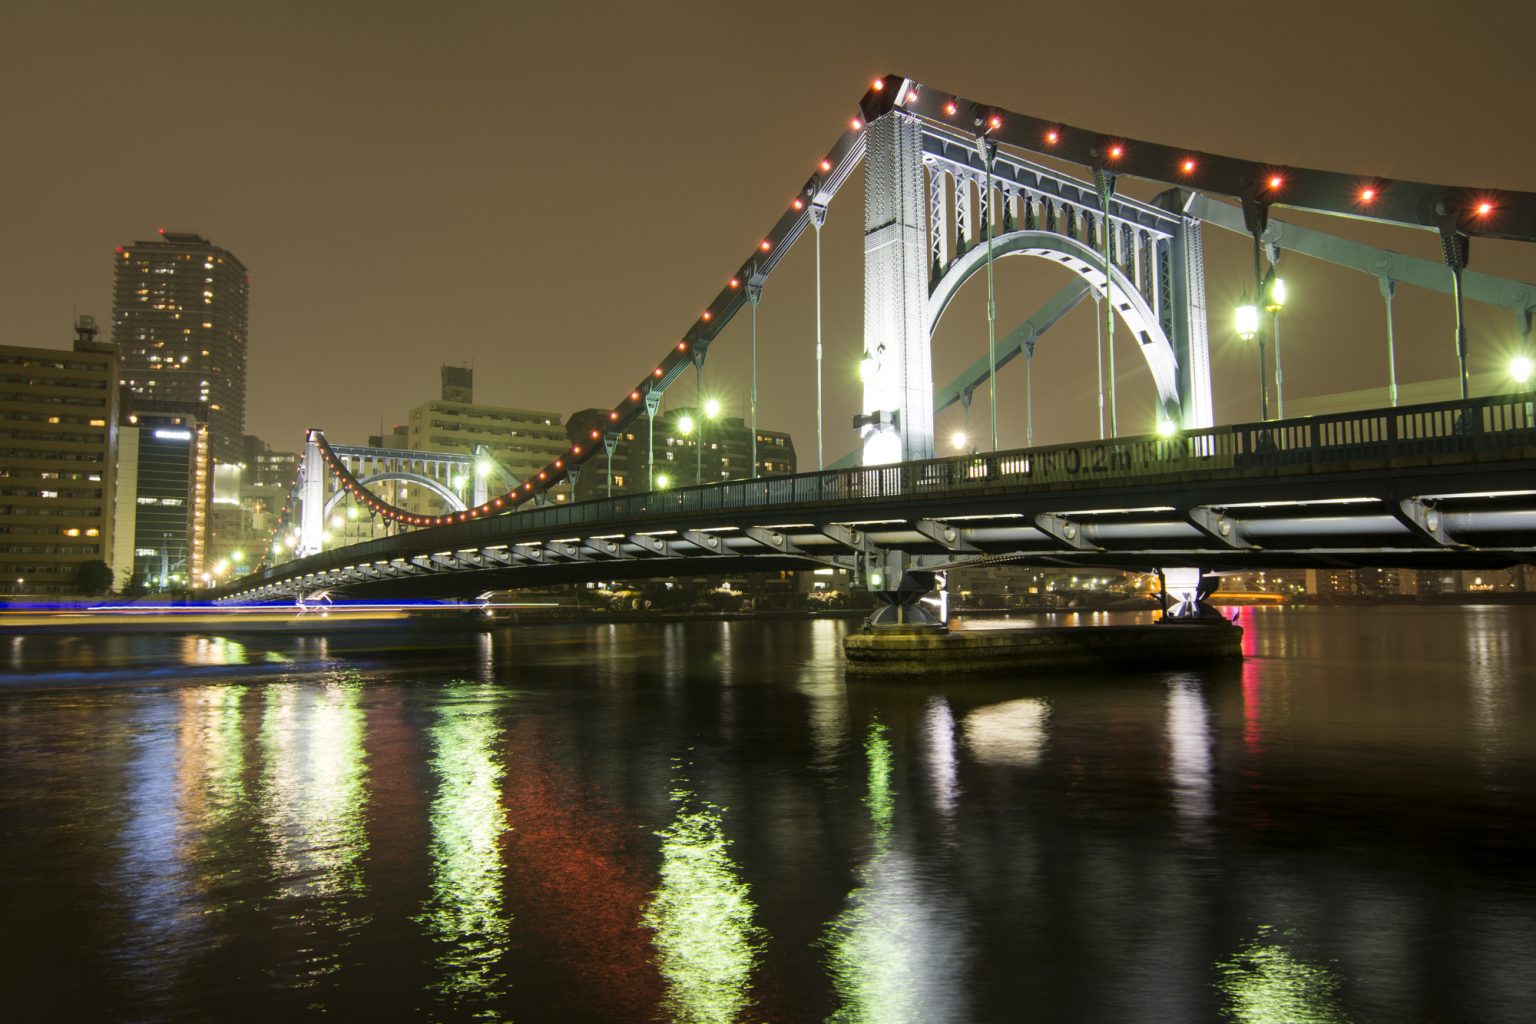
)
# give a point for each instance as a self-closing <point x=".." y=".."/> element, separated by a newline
<point x="180" y="310"/>
<point x="520" y="442"/>
<point x="165" y="498"/>
<point x="58" y="447"/>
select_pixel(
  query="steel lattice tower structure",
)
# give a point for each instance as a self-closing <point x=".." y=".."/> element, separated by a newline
<point x="180" y="309"/>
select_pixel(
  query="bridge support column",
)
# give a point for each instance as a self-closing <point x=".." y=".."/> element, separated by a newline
<point x="897" y="419"/>
<point x="482" y="476"/>
<point x="902" y="596"/>
<point x="1184" y="592"/>
<point x="312" y="498"/>
<point x="1182" y="311"/>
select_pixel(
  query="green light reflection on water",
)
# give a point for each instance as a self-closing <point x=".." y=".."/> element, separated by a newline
<point x="465" y="914"/>
<point x="706" y="941"/>
<point x="1265" y="984"/>
<point x="217" y="736"/>
<point x="870" y="945"/>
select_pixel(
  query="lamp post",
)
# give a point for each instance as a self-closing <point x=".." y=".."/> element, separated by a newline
<point x="1247" y="323"/>
<point x="711" y="412"/>
<point x="1274" y="301"/>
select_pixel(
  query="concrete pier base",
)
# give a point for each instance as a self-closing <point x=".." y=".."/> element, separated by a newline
<point x="924" y="653"/>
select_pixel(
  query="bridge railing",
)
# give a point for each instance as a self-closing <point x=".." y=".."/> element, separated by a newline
<point x="1495" y="424"/>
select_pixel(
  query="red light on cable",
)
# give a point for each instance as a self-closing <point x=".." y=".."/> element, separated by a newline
<point x="878" y="85"/>
<point x="657" y="372"/>
<point x="1274" y="182"/>
<point x="596" y="434"/>
<point x="559" y="464"/>
<point x="1188" y="167"/>
<point x="682" y="346"/>
<point x="735" y="283"/>
<point x="798" y="204"/>
<point x="612" y="415"/>
<point x="994" y="123"/>
<point x="575" y="449"/>
<point x="1483" y="208"/>
<point x="826" y="165"/>
<point x="765" y="245"/>
<point x="1367" y="195"/>
<point x="1116" y="152"/>
<point x="950" y="109"/>
<point x="1052" y="136"/>
<point x="856" y="124"/>
<point x="634" y="396"/>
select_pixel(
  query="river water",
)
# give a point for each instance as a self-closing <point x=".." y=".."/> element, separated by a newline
<point x="706" y="822"/>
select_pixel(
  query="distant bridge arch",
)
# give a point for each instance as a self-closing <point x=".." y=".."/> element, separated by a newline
<point x="453" y="501"/>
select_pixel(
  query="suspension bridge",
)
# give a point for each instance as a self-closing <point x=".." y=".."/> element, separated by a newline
<point x="952" y="186"/>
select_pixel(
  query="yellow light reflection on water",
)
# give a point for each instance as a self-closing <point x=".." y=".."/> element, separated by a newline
<point x="1265" y="984"/>
<point x="314" y="793"/>
<point x="212" y="775"/>
<point x="1011" y="733"/>
<point x="707" y="945"/>
<point x="465" y="913"/>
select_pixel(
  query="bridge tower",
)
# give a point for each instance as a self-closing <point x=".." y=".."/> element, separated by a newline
<point x="311" y="497"/>
<point x="897" y="419"/>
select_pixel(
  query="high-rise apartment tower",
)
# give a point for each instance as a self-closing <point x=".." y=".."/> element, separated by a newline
<point x="180" y="306"/>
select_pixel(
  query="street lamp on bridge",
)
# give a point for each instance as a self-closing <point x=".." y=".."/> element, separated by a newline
<point x="1247" y="324"/>
<point x="1274" y="301"/>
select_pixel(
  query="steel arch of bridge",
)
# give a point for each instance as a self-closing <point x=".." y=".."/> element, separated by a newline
<point x="1127" y="302"/>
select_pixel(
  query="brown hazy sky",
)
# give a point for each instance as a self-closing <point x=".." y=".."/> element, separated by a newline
<point x="553" y="191"/>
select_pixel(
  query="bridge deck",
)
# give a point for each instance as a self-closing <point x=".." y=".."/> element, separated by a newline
<point x="1444" y="484"/>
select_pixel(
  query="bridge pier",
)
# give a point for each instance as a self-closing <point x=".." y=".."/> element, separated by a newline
<point x="1184" y="592"/>
<point x="903" y="609"/>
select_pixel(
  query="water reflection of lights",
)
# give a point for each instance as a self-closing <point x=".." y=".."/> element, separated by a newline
<point x="821" y="683"/>
<point x="707" y="945"/>
<point x="1253" y="725"/>
<point x="894" y="956"/>
<point x="1265" y="984"/>
<point x="1012" y="733"/>
<point x="943" y="764"/>
<point x="154" y="884"/>
<point x="1189" y="751"/>
<point x="212" y="650"/>
<point x="464" y="914"/>
<point x="1492" y="664"/>
<point x="314" y="799"/>
<point x="212" y="778"/>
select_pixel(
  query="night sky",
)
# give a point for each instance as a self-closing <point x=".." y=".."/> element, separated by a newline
<point x="553" y="192"/>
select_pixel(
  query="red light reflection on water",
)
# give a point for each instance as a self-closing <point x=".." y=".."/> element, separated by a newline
<point x="1253" y="675"/>
<point x="581" y="883"/>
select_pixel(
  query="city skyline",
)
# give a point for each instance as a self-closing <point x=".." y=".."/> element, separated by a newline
<point x="391" y="202"/>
